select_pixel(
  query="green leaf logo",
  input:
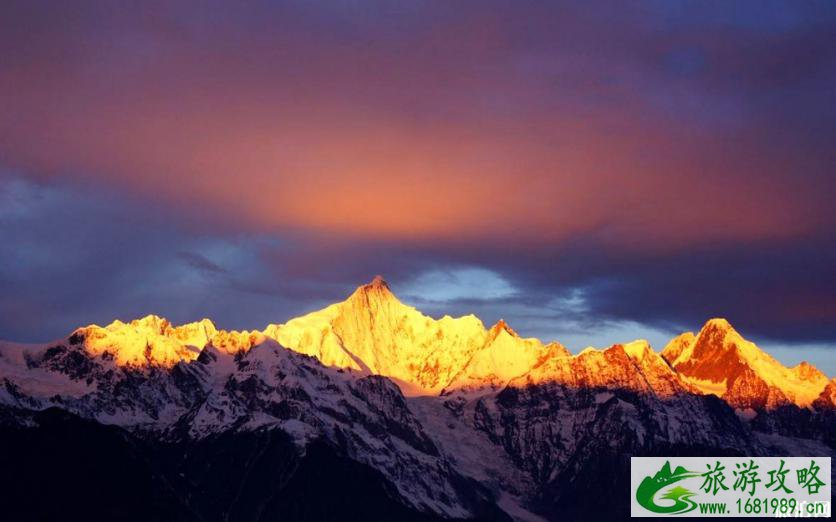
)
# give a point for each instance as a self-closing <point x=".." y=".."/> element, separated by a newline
<point x="680" y="496"/>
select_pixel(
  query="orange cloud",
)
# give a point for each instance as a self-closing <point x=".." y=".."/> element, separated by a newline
<point x="428" y="140"/>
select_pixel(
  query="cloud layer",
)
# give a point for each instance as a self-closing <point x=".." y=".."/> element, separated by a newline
<point x="649" y="165"/>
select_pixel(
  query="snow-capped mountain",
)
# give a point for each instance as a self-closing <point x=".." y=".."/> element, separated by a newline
<point x="718" y="360"/>
<point x="373" y="331"/>
<point x="444" y="418"/>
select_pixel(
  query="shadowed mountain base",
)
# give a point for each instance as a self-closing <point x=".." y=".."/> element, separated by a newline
<point x="68" y="468"/>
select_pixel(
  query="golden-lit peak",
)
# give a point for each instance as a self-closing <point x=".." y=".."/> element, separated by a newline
<point x="151" y="320"/>
<point x="718" y="334"/>
<point x="150" y="340"/>
<point x="718" y="324"/>
<point x="390" y="338"/>
<point x="499" y="327"/>
<point x="377" y="285"/>
<point x="638" y="349"/>
<point x="807" y="371"/>
<point x="556" y="347"/>
<point x="374" y="292"/>
<point x="720" y="361"/>
<point x="161" y="325"/>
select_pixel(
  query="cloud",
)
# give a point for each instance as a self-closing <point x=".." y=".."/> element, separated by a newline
<point x="200" y="262"/>
<point x="72" y="255"/>
<point x="458" y="283"/>
<point x="571" y="169"/>
<point x="533" y="123"/>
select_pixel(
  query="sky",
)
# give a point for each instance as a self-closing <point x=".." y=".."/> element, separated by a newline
<point x="591" y="172"/>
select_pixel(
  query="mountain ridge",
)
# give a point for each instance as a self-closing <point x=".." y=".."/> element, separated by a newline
<point x="445" y="417"/>
<point x="372" y="332"/>
<point x="718" y="360"/>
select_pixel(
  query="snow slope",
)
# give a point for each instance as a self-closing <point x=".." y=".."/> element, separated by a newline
<point x="452" y="414"/>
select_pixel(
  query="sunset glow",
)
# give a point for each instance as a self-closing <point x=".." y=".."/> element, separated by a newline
<point x="417" y="261"/>
<point x="293" y="150"/>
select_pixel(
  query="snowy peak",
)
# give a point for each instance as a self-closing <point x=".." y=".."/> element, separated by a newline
<point x="149" y="341"/>
<point x="374" y="332"/>
<point x="555" y="349"/>
<point x="152" y="341"/>
<point x="807" y="372"/>
<point x="718" y="360"/>
<point x="503" y="357"/>
<point x="499" y="328"/>
<point x="522" y="417"/>
<point x="376" y="296"/>
<point x="719" y="324"/>
<point x="638" y="349"/>
<point x="677" y="346"/>
<point x="715" y="340"/>
<point x="378" y="283"/>
<point x="715" y="349"/>
<point x="374" y="303"/>
<point x="631" y="366"/>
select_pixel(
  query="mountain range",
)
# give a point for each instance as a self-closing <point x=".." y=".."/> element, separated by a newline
<point x="370" y="410"/>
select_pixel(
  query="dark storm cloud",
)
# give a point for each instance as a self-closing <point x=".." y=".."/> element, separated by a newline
<point x="201" y="263"/>
<point x="654" y="163"/>
<point x="74" y="255"/>
<point x="783" y="291"/>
